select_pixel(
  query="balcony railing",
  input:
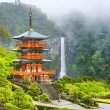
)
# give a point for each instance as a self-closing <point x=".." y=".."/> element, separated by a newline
<point x="22" y="73"/>
<point x="33" y="56"/>
<point x="31" y="45"/>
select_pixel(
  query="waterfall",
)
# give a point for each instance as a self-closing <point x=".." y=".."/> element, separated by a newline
<point x="63" y="65"/>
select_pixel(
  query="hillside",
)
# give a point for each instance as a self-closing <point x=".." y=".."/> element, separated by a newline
<point x="87" y="45"/>
<point x="16" y="19"/>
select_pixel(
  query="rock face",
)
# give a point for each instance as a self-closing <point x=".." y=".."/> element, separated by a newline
<point x="50" y="90"/>
<point x="54" y="45"/>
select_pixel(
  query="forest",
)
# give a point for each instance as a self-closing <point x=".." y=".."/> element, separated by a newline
<point x="87" y="57"/>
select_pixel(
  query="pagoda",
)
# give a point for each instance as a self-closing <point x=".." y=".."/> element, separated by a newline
<point x="32" y="60"/>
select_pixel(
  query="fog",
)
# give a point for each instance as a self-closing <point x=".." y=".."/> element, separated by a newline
<point x="57" y="8"/>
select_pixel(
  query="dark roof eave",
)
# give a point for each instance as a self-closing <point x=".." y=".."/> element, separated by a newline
<point x="21" y="38"/>
<point x="29" y="60"/>
<point x="31" y="35"/>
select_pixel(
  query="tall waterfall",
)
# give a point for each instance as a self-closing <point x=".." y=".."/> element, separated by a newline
<point x="63" y="65"/>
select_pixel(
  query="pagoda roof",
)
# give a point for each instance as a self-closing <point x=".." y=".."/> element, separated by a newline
<point x="31" y="35"/>
<point x="32" y="60"/>
<point x="30" y="50"/>
<point x="17" y="49"/>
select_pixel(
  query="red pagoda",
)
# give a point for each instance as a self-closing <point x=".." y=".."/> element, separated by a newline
<point x="32" y="61"/>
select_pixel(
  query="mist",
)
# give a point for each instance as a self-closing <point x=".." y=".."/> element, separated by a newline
<point x="56" y="9"/>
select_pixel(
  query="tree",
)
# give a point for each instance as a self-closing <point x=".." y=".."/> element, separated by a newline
<point x="34" y="90"/>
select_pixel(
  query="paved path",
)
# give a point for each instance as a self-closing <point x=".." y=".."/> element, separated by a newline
<point x="68" y="104"/>
<point x="61" y="104"/>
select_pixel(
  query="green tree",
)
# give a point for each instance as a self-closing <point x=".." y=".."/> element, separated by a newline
<point x="34" y="90"/>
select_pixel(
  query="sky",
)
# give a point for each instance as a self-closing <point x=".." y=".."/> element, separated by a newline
<point x="56" y="8"/>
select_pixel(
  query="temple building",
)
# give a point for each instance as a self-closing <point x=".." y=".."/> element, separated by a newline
<point x="32" y="60"/>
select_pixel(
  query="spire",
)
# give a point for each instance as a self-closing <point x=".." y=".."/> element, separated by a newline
<point x="30" y="20"/>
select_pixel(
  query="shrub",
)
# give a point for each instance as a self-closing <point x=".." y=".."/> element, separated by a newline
<point x="42" y="107"/>
<point x="36" y="98"/>
<point x="88" y="100"/>
<point x="34" y="90"/>
<point x="44" y="97"/>
<point x="12" y="107"/>
<point x="25" y="80"/>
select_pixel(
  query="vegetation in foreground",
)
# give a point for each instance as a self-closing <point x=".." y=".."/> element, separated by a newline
<point x="83" y="90"/>
<point x="42" y="107"/>
<point x="11" y="95"/>
<point x="102" y="100"/>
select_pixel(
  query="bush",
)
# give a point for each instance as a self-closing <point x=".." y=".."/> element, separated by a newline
<point x="25" y="80"/>
<point x="34" y="90"/>
<point x="103" y="95"/>
<point x="36" y="98"/>
<point x="44" y="97"/>
<point x="42" y="107"/>
<point x="88" y="100"/>
<point x="12" y="107"/>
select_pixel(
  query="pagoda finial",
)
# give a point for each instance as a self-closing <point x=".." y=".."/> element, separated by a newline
<point x="30" y="20"/>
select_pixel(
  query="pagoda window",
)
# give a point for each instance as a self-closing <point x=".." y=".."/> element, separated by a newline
<point x="33" y="42"/>
<point x="29" y="43"/>
<point x="39" y="68"/>
<point x="28" y="68"/>
<point x="25" y="42"/>
<point x="33" y="67"/>
<point x="23" y="68"/>
<point x="28" y="55"/>
<point x="36" y="43"/>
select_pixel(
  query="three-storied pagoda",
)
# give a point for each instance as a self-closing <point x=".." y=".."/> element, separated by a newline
<point x="31" y="61"/>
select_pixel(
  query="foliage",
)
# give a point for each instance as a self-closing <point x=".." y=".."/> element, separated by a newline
<point x="11" y="95"/>
<point x="108" y="78"/>
<point x="42" y="107"/>
<point x="12" y="107"/>
<point x="21" y="99"/>
<point x="6" y="61"/>
<point x="4" y="35"/>
<point x="102" y="100"/>
<point x="83" y="90"/>
<point x="14" y="96"/>
<point x="25" y="80"/>
<point x="16" y="19"/>
<point x="87" y="45"/>
<point x="34" y="90"/>
<point x="44" y="97"/>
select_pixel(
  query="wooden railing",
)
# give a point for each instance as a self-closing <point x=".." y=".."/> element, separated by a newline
<point x="31" y="45"/>
<point x="33" y="56"/>
<point x="22" y="73"/>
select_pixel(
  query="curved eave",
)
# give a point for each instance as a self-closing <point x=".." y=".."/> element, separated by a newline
<point x="30" y="50"/>
<point x="31" y="35"/>
<point x="44" y="49"/>
<point x="31" y="60"/>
